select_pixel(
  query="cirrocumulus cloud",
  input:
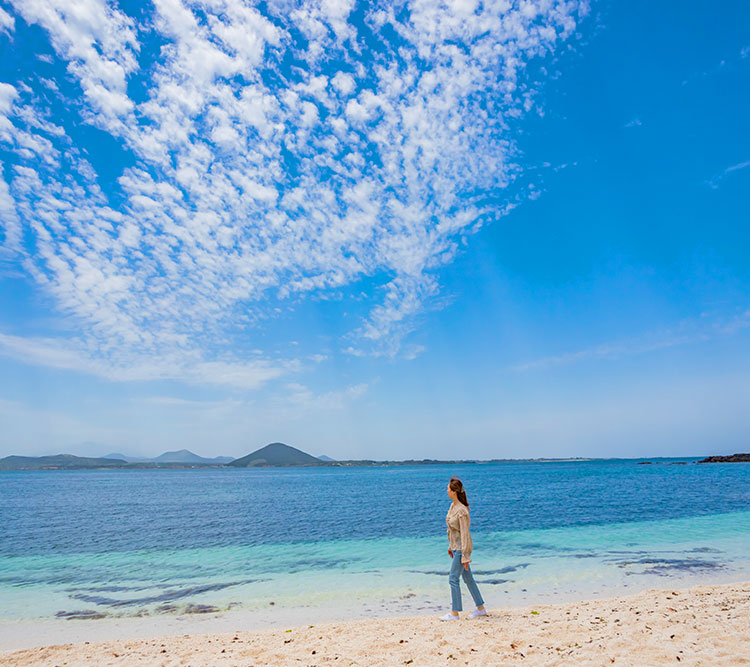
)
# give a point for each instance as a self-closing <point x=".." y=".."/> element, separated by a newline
<point x="266" y="153"/>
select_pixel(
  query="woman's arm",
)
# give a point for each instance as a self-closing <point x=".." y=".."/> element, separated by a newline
<point x="464" y="521"/>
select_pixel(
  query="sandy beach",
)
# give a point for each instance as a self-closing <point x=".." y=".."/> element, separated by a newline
<point x="703" y="625"/>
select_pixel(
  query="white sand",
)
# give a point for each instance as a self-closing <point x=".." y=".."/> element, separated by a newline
<point x="704" y="625"/>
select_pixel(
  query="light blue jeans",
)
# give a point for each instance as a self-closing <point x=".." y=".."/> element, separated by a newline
<point x="457" y="571"/>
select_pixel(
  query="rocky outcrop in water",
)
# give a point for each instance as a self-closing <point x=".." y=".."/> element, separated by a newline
<point x="734" y="458"/>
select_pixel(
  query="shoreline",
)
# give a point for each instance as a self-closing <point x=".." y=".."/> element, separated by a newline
<point x="34" y="632"/>
<point x="348" y="463"/>
<point x="704" y="624"/>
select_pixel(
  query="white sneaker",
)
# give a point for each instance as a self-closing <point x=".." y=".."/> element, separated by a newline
<point x="449" y="617"/>
<point x="477" y="613"/>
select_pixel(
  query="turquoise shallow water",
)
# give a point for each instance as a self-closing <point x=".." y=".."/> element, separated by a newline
<point x="124" y="544"/>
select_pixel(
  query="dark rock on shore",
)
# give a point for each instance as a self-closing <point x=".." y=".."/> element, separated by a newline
<point x="82" y="615"/>
<point x="734" y="458"/>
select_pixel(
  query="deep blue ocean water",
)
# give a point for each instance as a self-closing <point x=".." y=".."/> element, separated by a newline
<point x="135" y="542"/>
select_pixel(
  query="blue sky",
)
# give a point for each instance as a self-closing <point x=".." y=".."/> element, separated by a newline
<point x="414" y="229"/>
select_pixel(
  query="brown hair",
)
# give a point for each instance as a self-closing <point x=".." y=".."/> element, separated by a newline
<point x="457" y="486"/>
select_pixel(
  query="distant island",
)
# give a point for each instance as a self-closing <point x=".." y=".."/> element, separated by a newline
<point x="273" y="455"/>
<point x="180" y="456"/>
<point x="57" y="462"/>
<point x="276" y="455"/>
<point x="734" y="458"/>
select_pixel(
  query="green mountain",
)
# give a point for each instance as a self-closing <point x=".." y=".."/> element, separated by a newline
<point x="276" y="454"/>
<point x="124" y="457"/>
<point x="180" y="456"/>
<point x="186" y="456"/>
<point x="56" y="462"/>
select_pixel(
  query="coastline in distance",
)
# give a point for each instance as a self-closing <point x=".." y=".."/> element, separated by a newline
<point x="273" y="455"/>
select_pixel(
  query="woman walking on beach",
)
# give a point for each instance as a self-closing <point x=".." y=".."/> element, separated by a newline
<point x="459" y="549"/>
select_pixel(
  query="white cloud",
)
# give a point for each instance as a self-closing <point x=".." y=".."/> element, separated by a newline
<point x="735" y="167"/>
<point x="612" y="350"/>
<point x="65" y="355"/>
<point x="10" y="226"/>
<point x="7" y="22"/>
<point x="99" y="44"/>
<point x="344" y="83"/>
<point x="7" y="95"/>
<point x="206" y="408"/>
<point x="299" y="399"/>
<point x="689" y="332"/>
<point x="212" y="220"/>
<point x="716" y="180"/>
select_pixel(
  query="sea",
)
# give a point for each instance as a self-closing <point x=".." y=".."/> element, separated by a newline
<point x="153" y="544"/>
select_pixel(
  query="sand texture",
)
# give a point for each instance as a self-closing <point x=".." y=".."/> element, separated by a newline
<point x="704" y="625"/>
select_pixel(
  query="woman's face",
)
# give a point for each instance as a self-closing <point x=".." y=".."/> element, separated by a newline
<point x="451" y="493"/>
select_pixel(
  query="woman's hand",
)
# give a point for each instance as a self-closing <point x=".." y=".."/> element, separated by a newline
<point x="466" y="566"/>
<point x="450" y="553"/>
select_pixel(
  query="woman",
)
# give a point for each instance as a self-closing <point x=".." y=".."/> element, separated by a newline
<point x="459" y="549"/>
